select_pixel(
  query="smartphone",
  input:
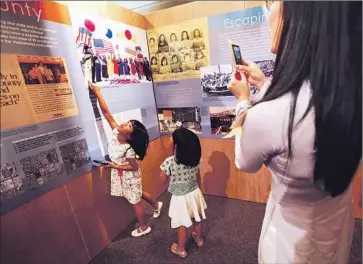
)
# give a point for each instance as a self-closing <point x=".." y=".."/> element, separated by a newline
<point x="100" y="162"/>
<point x="236" y="53"/>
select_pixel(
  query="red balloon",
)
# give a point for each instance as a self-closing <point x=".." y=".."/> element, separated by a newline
<point x="89" y="25"/>
<point x="128" y="34"/>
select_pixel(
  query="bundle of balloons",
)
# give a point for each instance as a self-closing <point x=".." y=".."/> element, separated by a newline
<point x="92" y="27"/>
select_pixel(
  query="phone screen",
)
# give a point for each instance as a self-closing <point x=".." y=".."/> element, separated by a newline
<point x="237" y="54"/>
<point x="100" y="162"/>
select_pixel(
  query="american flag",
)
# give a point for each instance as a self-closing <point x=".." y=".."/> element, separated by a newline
<point x="130" y="51"/>
<point x="84" y="37"/>
<point x="102" y="46"/>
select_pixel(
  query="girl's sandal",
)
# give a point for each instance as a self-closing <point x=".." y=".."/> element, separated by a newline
<point x="199" y="243"/>
<point x="175" y="249"/>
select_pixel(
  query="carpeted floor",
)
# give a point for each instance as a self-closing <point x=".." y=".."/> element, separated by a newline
<point x="231" y="232"/>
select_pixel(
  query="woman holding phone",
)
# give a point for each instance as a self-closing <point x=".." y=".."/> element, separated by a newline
<point x="307" y="129"/>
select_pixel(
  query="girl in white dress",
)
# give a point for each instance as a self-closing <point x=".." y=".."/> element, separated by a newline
<point x="128" y="145"/>
<point x="187" y="202"/>
<point x="306" y="127"/>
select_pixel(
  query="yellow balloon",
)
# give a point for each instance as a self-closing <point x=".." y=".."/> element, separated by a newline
<point x="120" y="34"/>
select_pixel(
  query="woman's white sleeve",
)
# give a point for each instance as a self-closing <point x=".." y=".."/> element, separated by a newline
<point x="253" y="143"/>
<point x="261" y="92"/>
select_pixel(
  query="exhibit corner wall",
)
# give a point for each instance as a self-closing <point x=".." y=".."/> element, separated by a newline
<point x="73" y="220"/>
<point x="69" y="216"/>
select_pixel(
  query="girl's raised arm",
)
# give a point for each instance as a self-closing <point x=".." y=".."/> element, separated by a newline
<point x="104" y="108"/>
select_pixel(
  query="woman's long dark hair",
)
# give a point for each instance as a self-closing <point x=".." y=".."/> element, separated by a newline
<point x="187" y="147"/>
<point x="321" y="42"/>
<point x="187" y="37"/>
<point x="139" y="139"/>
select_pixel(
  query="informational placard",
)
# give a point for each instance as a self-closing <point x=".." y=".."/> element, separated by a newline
<point x="43" y="140"/>
<point x="206" y="88"/>
<point x="51" y="124"/>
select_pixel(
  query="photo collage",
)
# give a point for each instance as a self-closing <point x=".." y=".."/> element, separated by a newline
<point x="178" y="51"/>
<point x="10" y="182"/>
<point x="111" y="53"/>
<point x="214" y="82"/>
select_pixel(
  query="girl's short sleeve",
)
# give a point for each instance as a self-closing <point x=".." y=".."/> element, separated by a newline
<point x="165" y="166"/>
<point x="130" y="153"/>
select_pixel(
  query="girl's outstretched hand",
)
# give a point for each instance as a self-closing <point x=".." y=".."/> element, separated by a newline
<point x="239" y="86"/>
<point x="111" y="165"/>
<point x="94" y="87"/>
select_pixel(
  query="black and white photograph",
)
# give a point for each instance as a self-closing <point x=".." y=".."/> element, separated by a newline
<point x="11" y="184"/>
<point x="75" y="155"/>
<point x="179" y="51"/>
<point x="214" y="80"/>
<point x="173" y="118"/>
<point x="42" y="167"/>
<point x="267" y="67"/>
<point x="221" y="119"/>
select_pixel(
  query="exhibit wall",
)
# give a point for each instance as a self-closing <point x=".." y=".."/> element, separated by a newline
<point x="179" y="94"/>
<point x="55" y="204"/>
<point x="51" y="124"/>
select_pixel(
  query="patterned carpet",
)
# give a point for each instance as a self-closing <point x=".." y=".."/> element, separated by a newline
<point x="231" y="232"/>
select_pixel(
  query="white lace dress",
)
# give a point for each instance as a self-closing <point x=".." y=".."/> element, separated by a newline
<point x="126" y="184"/>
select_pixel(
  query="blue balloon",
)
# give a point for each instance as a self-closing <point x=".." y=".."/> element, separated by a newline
<point x="109" y="33"/>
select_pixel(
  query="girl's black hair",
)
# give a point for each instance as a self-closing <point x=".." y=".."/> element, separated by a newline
<point x="162" y="60"/>
<point x="175" y="56"/>
<point x="321" y="42"/>
<point x="187" y="147"/>
<point x="165" y="41"/>
<point x="152" y="59"/>
<point x="195" y="31"/>
<point x="139" y="139"/>
<point x="173" y="34"/>
<point x="182" y="38"/>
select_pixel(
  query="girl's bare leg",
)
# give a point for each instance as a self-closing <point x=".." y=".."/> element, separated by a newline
<point x="147" y="197"/>
<point x="182" y="237"/>
<point x="140" y="214"/>
<point x="198" y="229"/>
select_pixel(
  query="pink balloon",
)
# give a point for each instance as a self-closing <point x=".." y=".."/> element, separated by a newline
<point x="128" y="34"/>
<point x="89" y="25"/>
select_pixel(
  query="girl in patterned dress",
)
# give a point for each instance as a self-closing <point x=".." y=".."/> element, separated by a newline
<point x="129" y="144"/>
<point x="187" y="202"/>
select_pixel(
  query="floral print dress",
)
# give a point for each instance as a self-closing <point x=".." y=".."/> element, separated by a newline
<point x="126" y="184"/>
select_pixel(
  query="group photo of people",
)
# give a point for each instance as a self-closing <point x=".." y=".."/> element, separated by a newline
<point x="171" y="119"/>
<point x="110" y="67"/>
<point x="267" y="67"/>
<point x="214" y="80"/>
<point x="221" y="119"/>
<point x="177" y="51"/>
<point x="43" y="72"/>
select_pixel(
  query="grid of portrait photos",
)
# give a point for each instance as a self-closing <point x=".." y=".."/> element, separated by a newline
<point x="178" y="52"/>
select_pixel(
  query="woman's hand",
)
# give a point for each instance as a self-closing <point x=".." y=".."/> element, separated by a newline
<point x="239" y="86"/>
<point x="253" y="73"/>
<point x="94" y="87"/>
